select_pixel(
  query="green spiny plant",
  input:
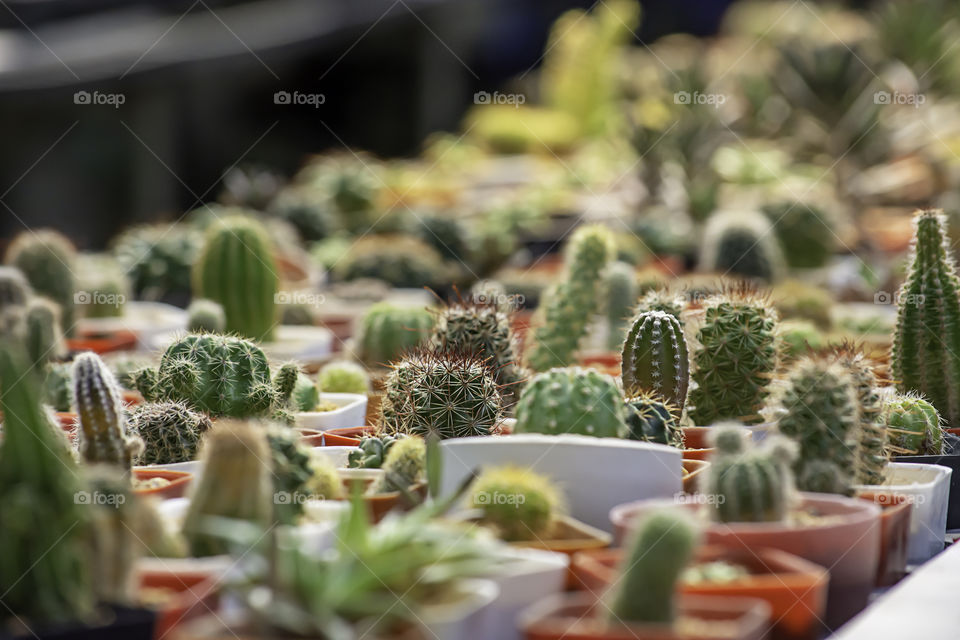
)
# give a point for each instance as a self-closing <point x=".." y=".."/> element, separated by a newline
<point x="742" y="244"/>
<point x="206" y="316"/>
<point x="343" y="376"/>
<point x="371" y="452"/>
<point x="926" y="343"/>
<point x="446" y="234"/>
<point x="572" y="400"/>
<point x="235" y="484"/>
<point x="804" y="231"/>
<point x="660" y="299"/>
<point x="43" y="335"/>
<point x="325" y="482"/>
<point x="404" y="465"/>
<point x="236" y="268"/>
<point x="798" y="337"/>
<point x="103" y="434"/>
<point x="15" y="291"/>
<point x="871" y="431"/>
<point x="114" y="547"/>
<point x="751" y="485"/>
<point x="795" y="299"/>
<point x="386" y="331"/>
<point x="306" y="394"/>
<point x="105" y="293"/>
<point x="219" y="375"/>
<point x="48" y="260"/>
<point x="292" y="469"/>
<point x="620" y="286"/>
<point x="735" y="360"/>
<point x="58" y="386"/>
<point x="655" y="359"/>
<point x="171" y="432"/>
<point x="451" y="395"/>
<point x="913" y="426"/>
<point x="397" y="259"/>
<point x="307" y="209"/>
<point x="651" y="419"/>
<point x="493" y="292"/>
<point x="158" y="258"/>
<point x="570" y="305"/>
<point x="518" y="502"/>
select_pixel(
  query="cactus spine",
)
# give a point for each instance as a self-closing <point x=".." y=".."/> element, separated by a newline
<point x="519" y="503"/>
<point x="571" y="304"/>
<point x="742" y="244"/>
<point x="171" y="432"/>
<point x="621" y="290"/>
<point x="103" y="437"/>
<point x="48" y="261"/>
<point x="655" y="359"/>
<point x="387" y="331"/>
<point x="926" y="343"/>
<point x="913" y="426"/>
<point x="206" y="316"/>
<point x="572" y="400"/>
<point x="651" y="419"/>
<point x="236" y="269"/>
<point x="871" y="431"/>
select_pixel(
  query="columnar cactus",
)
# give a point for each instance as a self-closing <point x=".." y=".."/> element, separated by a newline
<point x="657" y="556"/>
<point x="736" y="358"/>
<point x="571" y="304"/>
<point x="481" y="329"/>
<point x="872" y="433"/>
<point x="743" y="244"/>
<point x="44" y="337"/>
<point x="620" y="287"/>
<point x="291" y="467"/>
<point x="306" y="394"/>
<point x="58" y="386"/>
<point x="655" y="359"/>
<point x="103" y="437"/>
<point x="913" y="426"/>
<point x="343" y="376"/>
<point x="206" y="316"/>
<point x="572" y="400"/>
<point x="404" y="465"/>
<point x="450" y="395"/>
<point x="219" y="375"/>
<point x="386" y="331"/>
<point x="14" y="289"/>
<point x="171" y="432"/>
<point x="236" y="268"/>
<point x="519" y="503"/>
<point x="235" y="484"/>
<point x="651" y="419"/>
<point x="114" y="544"/>
<point x="926" y="344"/>
<point x="751" y="485"/>
<point x="48" y="261"/>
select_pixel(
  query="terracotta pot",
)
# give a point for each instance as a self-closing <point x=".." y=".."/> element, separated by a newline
<point x="132" y="398"/>
<point x="579" y="617"/>
<point x="695" y="470"/>
<point x="795" y="589"/>
<point x="849" y="545"/>
<point x="100" y="343"/>
<point x="352" y="432"/>
<point x="606" y="361"/>
<point x="179" y="481"/>
<point x="191" y="595"/>
<point x="698" y="454"/>
<point x="894" y="534"/>
<point x="314" y="438"/>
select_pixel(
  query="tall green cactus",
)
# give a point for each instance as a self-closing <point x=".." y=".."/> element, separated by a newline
<point x="926" y="344"/>
<point x="171" y="432"/>
<point x="103" y="437"/>
<point x="48" y="260"/>
<point x="655" y="358"/>
<point x="872" y="432"/>
<point x="735" y="361"/>
<point x="115" y="542"/>
<point x="44" y="337"/>
<point x="621" y="290"/>
<point x="572" y="400"/>
<point x="743" y="244"/>
<point x="913" y="426"/>
<point x="569" y="307"/>
<point x="386" y="331"/>
<point x="236" y="268"/>
<point x="651" y="568"/>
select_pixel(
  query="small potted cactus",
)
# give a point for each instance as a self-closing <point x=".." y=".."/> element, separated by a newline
<point x="337" y="400"/>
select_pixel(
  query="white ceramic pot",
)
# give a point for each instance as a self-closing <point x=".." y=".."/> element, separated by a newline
<point x="149" y="320"/>
<point x="306" y="344"/>
<point x="595" y="474"/>
<point x="927" y="488"/>
<point x="465" y="616"/>
<point x="529" y="575"/>
<point x="336" y="455"/>
<point x="351" y="412"/>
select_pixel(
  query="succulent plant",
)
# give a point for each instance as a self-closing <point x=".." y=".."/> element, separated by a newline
<point x="125" y="365"/>
<point x="913" y="426"/>
<point x="158" y="259"/>
<point x="58" y="386"/>
<point x="104" y="294"/>
<point x="301" y="315"/>
<point x="43" y="335"/>
<point x="48" y="261"/>
<point x="397" y="259"/>
<point x="871" y="432"/>
<point x="171" y="432"/>
<point x="307" y="209"/>
<point x="15" y="291"/>
<point x="446" y="234"/>
<point x="659" y="299"/>
<point x="371" y="452"/>
<point x="450" y="395"/>
<point x="657" y="555"/>
<point x="206" y="316"/>
<point x="751" y="485"/>
<point x="103" y="434"/>
<point x="343" y="376"/>
<point x="620" y="286"/>
<point x="405" y="465"/>
<point x="651" y="419"/>
<point x="292" y="469"/>
<point x="236" y="268"/>
<point x="235" y="484"/>
<point x="571" y="304"/>
<point x="797" y="300"/>
<point x="655" y="359"/>
<point x="572" y="400"/>
<point x="797" y="337"/>
<point x="386" y="331"/>
<point x="325" y="482"/>
<point x="926" y="342"/>
<point x="741" y="243"/>
<point x="805" y="233"/>
<point x="114" y="545"/>
<point x="306" y="394"/>
<point x="219" y="375"/>
<point x="518" y="502"/>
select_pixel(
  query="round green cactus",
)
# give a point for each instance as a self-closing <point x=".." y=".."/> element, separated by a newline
<point x="655" y="359"/>
<point x="660" y="299"/>
<point x="743" y="244"/>
<point x="397" y="259"/>
<point x="804" y="231"/>
<point x="343" y="376"/>
<point x="519" y="503"/>
<point x="572" y="400"/>
<point x="158" y="258"/>
<point x="386" y="331"/>
<point x="650" y="419"/>
<point x="799" y="337"/>
<point x="913" y="426"/>
<point x="371" y="452"/>
<point x="206" y="316"/>
<point x="325" y="482"/>
<point x="171" y="432"/>
<point x="103" y="435"/>
<point x="405" y="465"/>
<point x="307" y="209"/>
<point x="48" y="261"/>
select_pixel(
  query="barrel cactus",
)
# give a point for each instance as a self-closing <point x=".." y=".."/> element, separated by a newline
<point x="171" y="432"/>
<point x="371" y="452"/>
<point x="103" y="433"/>
<point x="158" y="259"/>
<point x="913" y="426"/>
<point x="236" y="268"/>
<point x="48" y="260"/>
<point x="397" y="259"/>
<point x="518" y="503"/>
<point x="651" y="419"/>
<point x="742" y="244"/>
<point x="386" y="331"/>
<point x="572" y="400"/>
<point x="655" y="359"/>
<point x="404" y="465"/>
<point x="343" y="376"/>
<point x="307" y="209"/>
<point x="206" y="316"/>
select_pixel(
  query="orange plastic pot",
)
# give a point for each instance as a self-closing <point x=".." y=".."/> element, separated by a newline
<point x="67" y="420"/>
<point x="695" y="470"/>
<point x="894" y="534"/>
<point x="352" y="432"/>
<point x="607" y="362"/>
<point x="698" y="454"/>
<point x="179" y="481"/>
<point x="192" y="595"/>
<point x="100" y="343"/>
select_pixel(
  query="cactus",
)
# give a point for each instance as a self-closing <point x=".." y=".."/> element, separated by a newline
<point x="171" y="432"/>
<point x="657" y="555"/>
<point x="519" y="503"/>
<point x="206" y="316"/>
<point x="104" y="294"/>
<point x="404" y="465"/>
<point x="659" y="300"/>
<point x="44" y="338"/>
<point x="572" y="400"/>
<point x="819" y="410"/>
<point x="387" y="331"/>
<point x="481" y="329"/>
<point x="795" y="299"/>
<point x="58" y="386"/>
<point x="449" y="395"/>
<point x="399" y="260"/>
<point x="306" y="394"/>
<point x="219" y="375"/>
<point x="655" y="359"/>
<point x="926" y="343"/>
<point x="570" y="306"/>
<point x="300" y="315"/>
<point x="737" y="356"/>
<point x="492" y="292"/>
<point x="235" y="484"/>
<point x="913" y="426"/>
<point x="797" y="337"/>
<point x="14" y="289"/>
<point x="236" y="268"/>
<point x="371" y="452"/>
<point x="158" y="259"/>
<point x="742" y="244"/>
<point x="343" y="376"/>
<point x="652" y="420"/>
<point x="446" y="234"/>
<point x="48" y="261"/>
<point x="292" y="469"/>
<point x="804" y="231"/>
<point x="114" y="544"/>
<point x="871" y="431"/>
<point x="325" y="482"/>
<point x="307" y="209"/>
<point x="103" y="437"/>
<point x="751" y="485"/>
<point x="620" y="287"/>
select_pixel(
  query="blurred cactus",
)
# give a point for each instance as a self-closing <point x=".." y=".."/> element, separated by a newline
<point x="871" y="430"/>
<point x="292" y="469"/>
<point x="797" y="300"/>
<point x="58" y="386"/>
<point x="206" y="316"/>
<point x="913" y="426"/>
<point x="620" y="282"/>
<point x="307" y="209"/>
<point x="48" y="261"/>
<point x="386" y="331"/>
<point x="103" y="433"/>
<point x="660" y="299"/>
<point x="324" y="482"/>
<point x="572" y="400"/>
<point x="15" y="291"/>
<point x="343" y="376"/>
<point x="804" y="231"/>
<point x="519" y="503"/>
<point x="42" y="332"/>
<point x="655" y="360"/>
<point x="446" y="234"/>
<point x="404" y="465"/>
<point x="250" y="186"/>
<point x="104" y="293"/>
<point x="798" y="337"/>
<point x="158" y="259"/>
<point x="114" y="545"/>
<point x="171" y="432"/>
<point x="741" y="243"/>
<point x="652" y="419"/>
<point x="397" y="259"/>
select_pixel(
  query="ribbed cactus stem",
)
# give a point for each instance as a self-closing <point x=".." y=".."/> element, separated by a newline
<point x="572" y="400"/>
<point x="652" y="419"/>
<point x="44" y="338"/>
<point x="14" y="289"/>
<point x="655" y="359"/>
<point x="103" y="437"/>
<point x="47" y="260"/>
<point x="386" y="331"/>
<point x="871" y="430"/>
<point x="621" y="289"/>
<point x="913" y="426"/>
